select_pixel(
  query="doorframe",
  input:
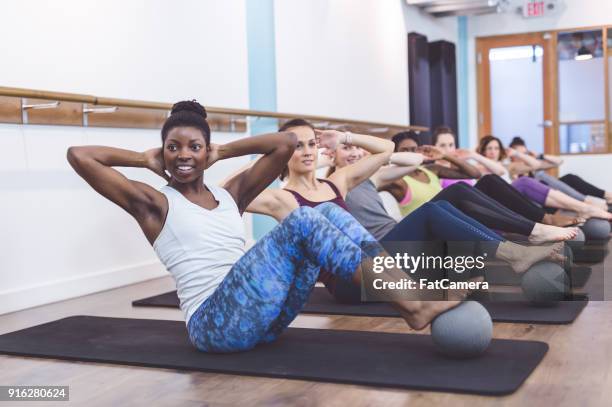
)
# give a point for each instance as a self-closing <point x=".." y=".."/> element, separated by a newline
<point x="548" y="41"/>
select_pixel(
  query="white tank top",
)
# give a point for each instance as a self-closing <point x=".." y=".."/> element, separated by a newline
<point x="199" y="246"/>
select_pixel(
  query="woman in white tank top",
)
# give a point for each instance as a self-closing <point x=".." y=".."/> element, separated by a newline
<point x="232" y="300"/>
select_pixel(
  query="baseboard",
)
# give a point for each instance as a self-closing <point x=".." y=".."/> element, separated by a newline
<point x="59" y="290"/>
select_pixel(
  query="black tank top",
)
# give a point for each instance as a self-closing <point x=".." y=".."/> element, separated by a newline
<point x="338" y="200"/>
<point x="325" y="276"/>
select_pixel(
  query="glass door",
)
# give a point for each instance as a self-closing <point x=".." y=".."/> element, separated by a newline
<point x="515" y="91"/>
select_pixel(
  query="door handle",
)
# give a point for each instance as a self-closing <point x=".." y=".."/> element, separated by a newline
<point x="546" y="123"/>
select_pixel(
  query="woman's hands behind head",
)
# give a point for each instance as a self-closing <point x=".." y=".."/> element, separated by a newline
<point x="329" y="139"/>
<point x="430" y="153"/>
<point x="154" y="161"/>
<point x="212" y="155"/>
<point x="464" y="153"/>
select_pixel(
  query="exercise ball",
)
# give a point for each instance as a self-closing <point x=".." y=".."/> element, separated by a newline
<point x="464" y="331"/>
<point x="545" y="283"/>
<point x="596" y="229"/>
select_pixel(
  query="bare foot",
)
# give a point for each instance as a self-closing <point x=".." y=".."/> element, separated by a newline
<point x="594" y="212"/>
<point x="521" y="258"/>
<point x="419" y="314"/>
<point x="557" y="219"/>
<point x="547" y="233"/>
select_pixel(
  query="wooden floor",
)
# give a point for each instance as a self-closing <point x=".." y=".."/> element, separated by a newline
<point x="577" y="371"/>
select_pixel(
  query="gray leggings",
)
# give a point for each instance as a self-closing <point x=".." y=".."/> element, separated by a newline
<point x="554" y="183"/>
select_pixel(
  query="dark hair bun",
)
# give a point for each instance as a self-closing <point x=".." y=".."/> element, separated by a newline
<point x="517" y="141"/>
<point x="189" y="106"/>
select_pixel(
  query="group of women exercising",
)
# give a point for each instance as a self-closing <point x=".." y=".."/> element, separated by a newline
<point x="234" y="299"/>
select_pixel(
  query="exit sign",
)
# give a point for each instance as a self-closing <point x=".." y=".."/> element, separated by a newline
<point x="534" y="8"/>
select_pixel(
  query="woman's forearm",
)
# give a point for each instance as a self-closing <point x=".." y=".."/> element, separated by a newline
<point x="108" y="156"/>
<point x="263" y="144"/>
<point x="546" y="165"/>
<point x="406" y="159"/>
<point x="371" y="144"/>
<point x="529" y="160"/>
<point x="550" y="161"/>
<point x="467" y="169"/>
<point x="492" y="166"/>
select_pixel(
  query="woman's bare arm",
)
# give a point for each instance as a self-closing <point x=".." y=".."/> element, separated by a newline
<point x="348" y="177"/>
<point x="94" y="164"/>
<point x="276" y="148"/>
<point x="147" y="205"/>
<point x="460" y="168"/>
<point x="531" y="162"/>
<point x="493" y="167"/>
<point x="402" y="164"/>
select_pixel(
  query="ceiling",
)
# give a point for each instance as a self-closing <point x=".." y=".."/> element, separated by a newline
<point x="443" y="8"/>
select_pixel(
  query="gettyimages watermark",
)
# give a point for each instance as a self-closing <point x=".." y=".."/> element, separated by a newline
<point x="484" y="270"/>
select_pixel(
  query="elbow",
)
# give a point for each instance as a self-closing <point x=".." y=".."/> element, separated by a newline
<point x="387" y="154"/>
<point x="288" y="143"/>
<point x="74" y="156"/>
<point x="389" y="147"/>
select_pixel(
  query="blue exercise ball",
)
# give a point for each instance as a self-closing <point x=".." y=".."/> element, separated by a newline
<point x="596" y="229"/>
<point x="464" y="331"/>
<point x="545" y="283"/>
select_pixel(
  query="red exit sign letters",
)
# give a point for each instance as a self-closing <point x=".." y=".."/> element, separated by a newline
<point x="534" y="8"/>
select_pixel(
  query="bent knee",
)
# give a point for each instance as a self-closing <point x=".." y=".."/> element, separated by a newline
<point x="302" y="212"/>
<point x="302" y="218"/>
<point x="327" y="207"/>
<point x="431" y="206"/>
<point x="490" y="177"/>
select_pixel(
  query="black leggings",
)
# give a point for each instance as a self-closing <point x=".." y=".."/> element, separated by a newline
<point x="582" y="186"/>
<point x="498" y="189"/>
<point x="484" y="209"/>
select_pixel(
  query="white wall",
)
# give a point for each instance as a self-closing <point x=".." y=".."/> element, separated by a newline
<point x="575" y="13"/>
<point x="348" y="59"/>
<point x="594" y="168"/>
<point x="58" y="238"/>
<point x="155" y="50"/>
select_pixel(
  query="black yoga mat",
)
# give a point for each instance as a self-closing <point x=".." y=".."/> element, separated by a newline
<point x="504" y="275"/>
<point x="503" y="308"/>
<point x="356" y="357"/>
<point x="166" y="300"/>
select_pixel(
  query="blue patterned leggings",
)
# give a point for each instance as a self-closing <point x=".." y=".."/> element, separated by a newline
<point x="268" y="286"/>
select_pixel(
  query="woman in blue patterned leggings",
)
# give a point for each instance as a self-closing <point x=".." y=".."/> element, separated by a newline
<point x="269" y="285"/>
